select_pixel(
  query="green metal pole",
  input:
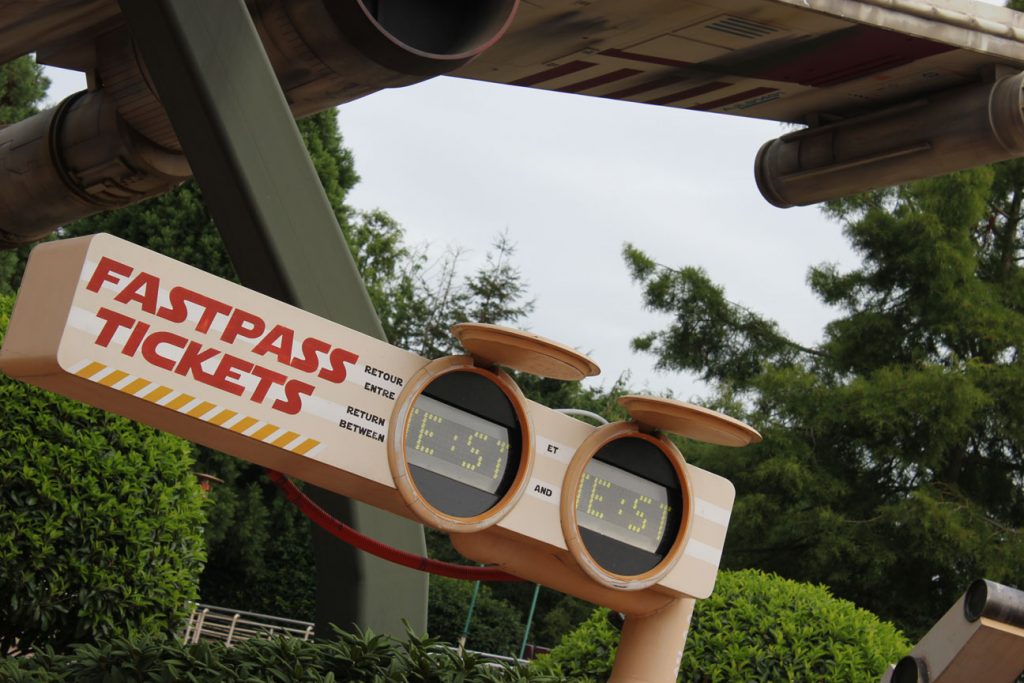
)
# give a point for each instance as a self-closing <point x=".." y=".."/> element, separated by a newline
<point x="529" y="620"/>
<point x="206" y="61"/>
<point x="469" y="617"/>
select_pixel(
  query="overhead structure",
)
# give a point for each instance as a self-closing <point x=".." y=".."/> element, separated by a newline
<point x="887" y="90"/>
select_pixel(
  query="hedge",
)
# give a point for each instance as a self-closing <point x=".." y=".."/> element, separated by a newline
<point x="348" y="657"/>
<point x="754" y="627"/>
<point x="100" y="522"/>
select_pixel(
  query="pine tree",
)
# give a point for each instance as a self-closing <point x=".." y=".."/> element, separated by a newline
<point x="893" y="451"/>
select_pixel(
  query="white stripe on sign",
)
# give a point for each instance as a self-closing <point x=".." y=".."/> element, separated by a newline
<point x="544" y="491"/>
<point x="703" y="552"/>
<point x="323" y="408"/>
<point x="79" y="365"/>
<point x="554" y="450"/>
<point x="713" y="513"/>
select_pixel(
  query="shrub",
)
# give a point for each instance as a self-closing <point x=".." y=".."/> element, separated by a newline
<point x="349" y="657"/>
<point x="100" y="522"/>
<point x="755" y="626"/>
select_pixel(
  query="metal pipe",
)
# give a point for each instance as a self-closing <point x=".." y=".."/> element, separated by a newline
<point x="958" y="128"/>
<point x="529" y="620"/>
<point x="994" y="601"/>
<point x="75" y="160"/>
<point x="469" y="617"/>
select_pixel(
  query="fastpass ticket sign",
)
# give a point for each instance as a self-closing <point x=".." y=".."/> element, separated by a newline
<point x="451" y="442"/>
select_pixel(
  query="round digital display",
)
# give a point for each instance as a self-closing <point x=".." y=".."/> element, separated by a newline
<point x="461" y="452"/>
<point x="629" y="508"/>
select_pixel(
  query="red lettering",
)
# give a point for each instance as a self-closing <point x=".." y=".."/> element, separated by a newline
<point x="153" y="341"/>
<point x="229" y="372"/>
<point x="145" y="289"/>
<point x="242" y="324"/>
<point x="177" y="312"/>
<point x="192" y="361"/>
<point x="310" y="361"/>
<point x="132" y="345"/>
<point x="279" y="342"/>
<point x="114" y="322"/>
<point x="268" y="378"/>
<point x="337" y="372"/>
<point x="294" y="390"/>
<point x="106" y="271"/>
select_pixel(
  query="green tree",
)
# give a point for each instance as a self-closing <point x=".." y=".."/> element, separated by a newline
<point x="100" y="522"/>
<point x="22" y="88"/>
<point x="754" y="627"/>
<point x="892" y="458"/>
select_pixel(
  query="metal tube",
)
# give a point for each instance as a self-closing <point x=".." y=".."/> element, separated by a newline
<point x="994" y="601"/>
<point x="469" y="617"/>
<point x="75" y="160"/>
<point x="529" y="620"/>
<point x="959" y="128"/>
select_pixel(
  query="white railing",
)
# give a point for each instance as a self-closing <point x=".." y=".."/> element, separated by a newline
<point x="208" y="622"/>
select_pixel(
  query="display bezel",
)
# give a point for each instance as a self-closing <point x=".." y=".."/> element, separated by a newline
<point x="405" y="481"/>
<point x="573" y="531"/>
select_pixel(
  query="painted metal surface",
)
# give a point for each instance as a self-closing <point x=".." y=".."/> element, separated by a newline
<point x="787" y="60"/>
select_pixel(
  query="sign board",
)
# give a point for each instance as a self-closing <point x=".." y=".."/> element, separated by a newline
<point x="128" y="330"/>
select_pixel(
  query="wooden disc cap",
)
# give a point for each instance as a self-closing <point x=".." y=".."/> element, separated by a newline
<point x="686" y="419"/>
<point x="523" y="351"/>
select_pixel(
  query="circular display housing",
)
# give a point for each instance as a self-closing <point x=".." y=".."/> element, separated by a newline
<point x="461" y="445"/>
<point x="626" y="506"/>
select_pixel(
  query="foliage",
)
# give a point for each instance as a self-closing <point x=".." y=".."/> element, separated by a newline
<point x="754" y="627"/>
<point x="348" y="657"/>
<point x="894" y="449"/>
<point x="100" y="522"/>
<point x="22" y="88"/>
<point x="496" y="626"/>
<point x="493" y="294"/>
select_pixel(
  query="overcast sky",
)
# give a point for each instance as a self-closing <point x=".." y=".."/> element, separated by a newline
<point x="573" y="178"/>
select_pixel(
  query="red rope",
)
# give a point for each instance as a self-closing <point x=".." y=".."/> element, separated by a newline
<point x="344" y="532"/>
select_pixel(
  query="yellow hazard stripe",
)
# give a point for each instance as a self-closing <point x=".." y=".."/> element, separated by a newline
<point x="158" y="394"/>
<point x="201" y="409"/>
<point x="135" y="386"/>
<point x="218" y="416"/>
<point x="284" y="439"/>
<point x="222" y="417"/>
<point x="113" y="378"/>
<point x="90" y="370"/>
<point x="179" y="401"/>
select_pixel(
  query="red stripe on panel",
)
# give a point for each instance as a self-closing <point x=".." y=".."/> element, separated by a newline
<point x="843" y="56"/>
<point x="644" y="87"/>
<point x="555" y="72"/>
<point x="600" y="80"/>
<point x="692" y="92"/>
<point x="738" y="97"/>
<point x="647" y="59"/>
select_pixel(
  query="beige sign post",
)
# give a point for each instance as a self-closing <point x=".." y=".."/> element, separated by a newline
<point x="613" y="515"/>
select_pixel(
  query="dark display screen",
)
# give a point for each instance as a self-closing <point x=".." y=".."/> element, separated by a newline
<point x="623" y="506"/>
<point x="456" y="444"/>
